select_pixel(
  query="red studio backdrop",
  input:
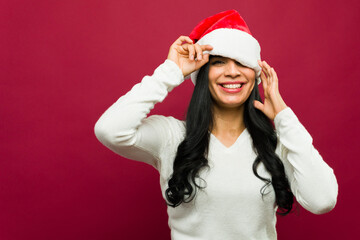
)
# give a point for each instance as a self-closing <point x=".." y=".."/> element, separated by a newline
<point x="63" y="63"/>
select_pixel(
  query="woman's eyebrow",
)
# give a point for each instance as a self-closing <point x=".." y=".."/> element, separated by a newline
<point x="222" y="58"/>
<point x="216" y="56"/>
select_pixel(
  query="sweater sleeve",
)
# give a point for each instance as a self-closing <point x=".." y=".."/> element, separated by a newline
<point x="125" y="128"/>
<point x="311" y="179"/>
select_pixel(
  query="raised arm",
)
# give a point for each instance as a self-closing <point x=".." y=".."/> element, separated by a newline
<point x="124" y="127"/>
<point x="312" y="181"/>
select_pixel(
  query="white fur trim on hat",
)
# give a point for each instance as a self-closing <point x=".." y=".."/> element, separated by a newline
<point x="235" y="44"/>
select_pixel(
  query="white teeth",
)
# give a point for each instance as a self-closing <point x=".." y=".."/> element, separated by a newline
<point x="232" y="85"/>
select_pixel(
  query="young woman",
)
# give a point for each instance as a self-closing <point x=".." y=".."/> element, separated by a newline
<point x="225" y="171"/>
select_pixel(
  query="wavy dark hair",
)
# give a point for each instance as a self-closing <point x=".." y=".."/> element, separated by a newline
<point x="192" y="152"/>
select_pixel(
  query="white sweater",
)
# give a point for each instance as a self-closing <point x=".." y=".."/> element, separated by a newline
<point x="231" y="206"/>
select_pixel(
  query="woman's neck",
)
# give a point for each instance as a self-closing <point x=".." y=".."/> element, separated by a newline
<point x="228" y="121"/>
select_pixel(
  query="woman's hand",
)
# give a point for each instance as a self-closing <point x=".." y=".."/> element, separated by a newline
<point x="273" y="103"/>
<point x="188" y="56"/>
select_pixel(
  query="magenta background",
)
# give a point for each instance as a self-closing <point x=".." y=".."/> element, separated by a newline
<point x="63" y="63"/>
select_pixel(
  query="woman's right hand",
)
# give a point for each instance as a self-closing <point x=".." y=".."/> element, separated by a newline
<point x="188" y="56"/>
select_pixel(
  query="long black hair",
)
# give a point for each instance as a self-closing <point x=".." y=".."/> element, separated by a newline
<point x="192" y="152"/>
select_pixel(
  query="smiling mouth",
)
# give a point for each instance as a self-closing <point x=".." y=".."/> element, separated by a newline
<point x="232" y="86"/>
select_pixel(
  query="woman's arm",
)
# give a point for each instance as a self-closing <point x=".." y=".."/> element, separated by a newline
<point x="124" y="128"/>
<point x="312" y="181"/>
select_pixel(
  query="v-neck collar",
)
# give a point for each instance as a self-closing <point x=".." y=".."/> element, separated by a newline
<point x="242" y="134"/>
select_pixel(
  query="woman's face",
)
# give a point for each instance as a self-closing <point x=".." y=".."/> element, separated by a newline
<point x="230" y="82"/>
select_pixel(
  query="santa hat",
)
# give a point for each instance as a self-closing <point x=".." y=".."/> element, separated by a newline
<point x="230" y="37"/>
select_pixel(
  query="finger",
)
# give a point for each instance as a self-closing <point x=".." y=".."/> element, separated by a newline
<point x="191" y="50"/>
<point x="263" y="75"/>
<point x="261" y="66"/>
<point x="269" y="73"/>
<point x="273" y="73"/>
<point x="182" y="39"/>
<point x="276" y="80"/>
<point x="264" y="70"/>
<point x="272" y="76"/>
<point x="268" y="69"/>
<point x="206" y="57"/>
<point x="264" y="80"/>
<point x="181" y="50"/>
<point x="198" y="52"/>
<point x="259" y="105"/>
<point x="206" y="47"/>
<point x="204" y="60"/>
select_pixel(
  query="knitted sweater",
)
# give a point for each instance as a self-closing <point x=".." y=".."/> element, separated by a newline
<point x="231" y="206"/>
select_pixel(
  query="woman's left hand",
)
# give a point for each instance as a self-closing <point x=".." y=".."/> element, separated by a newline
<point x="273" y="102"/>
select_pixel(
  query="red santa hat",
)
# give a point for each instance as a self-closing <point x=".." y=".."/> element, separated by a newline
<point x="230" y="37"/>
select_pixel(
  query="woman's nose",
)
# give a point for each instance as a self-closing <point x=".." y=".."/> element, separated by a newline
<point x="232" y="69"/>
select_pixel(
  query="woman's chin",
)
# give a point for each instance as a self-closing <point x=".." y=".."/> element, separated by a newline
<point x="230" y="104"/>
